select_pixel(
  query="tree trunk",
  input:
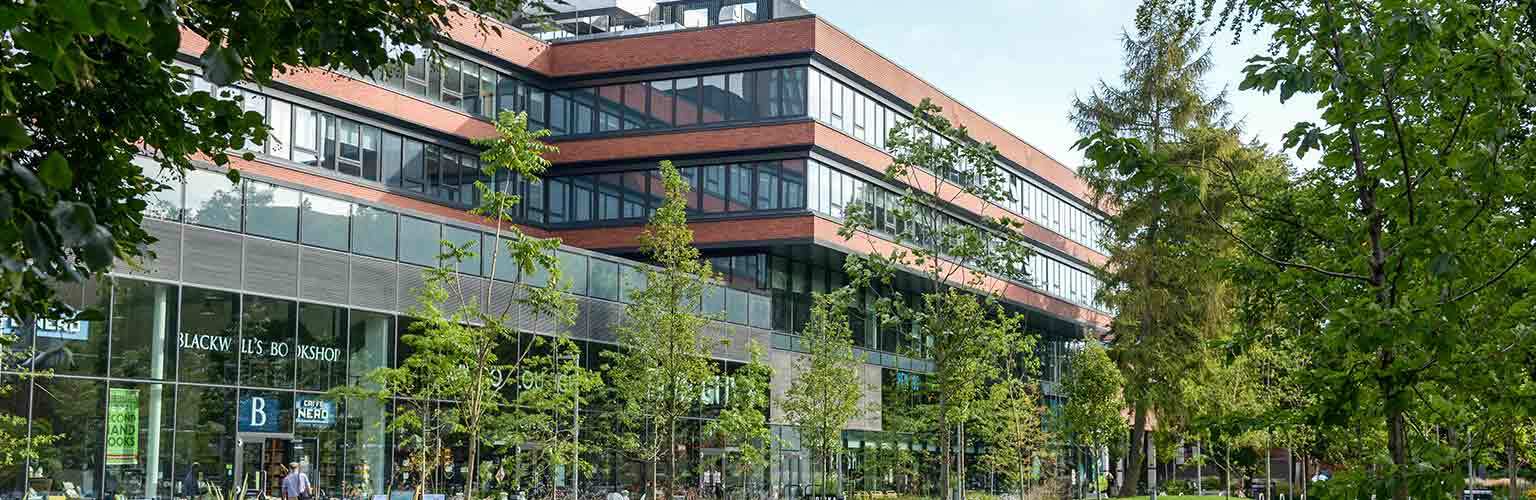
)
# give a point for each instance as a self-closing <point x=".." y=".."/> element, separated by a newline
<point x="1512" y="466"/>
<point x="945" y="448"/>
<point x="1397" y="442"/>
<point x="671" y="460"/>
<point x="960" y="466"/>
<point x="1133" y="462"/>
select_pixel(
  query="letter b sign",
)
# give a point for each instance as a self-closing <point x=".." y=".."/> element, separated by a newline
<point x="259" y="414"/>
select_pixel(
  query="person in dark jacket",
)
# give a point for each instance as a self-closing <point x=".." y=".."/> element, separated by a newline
<point x="189" y="486"/>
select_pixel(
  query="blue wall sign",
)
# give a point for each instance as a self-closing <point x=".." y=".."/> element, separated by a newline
<point x="259" y="414"/>
<point x="314" y="412"/>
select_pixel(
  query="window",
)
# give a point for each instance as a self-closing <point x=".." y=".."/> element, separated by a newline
<point x="419" y="241"/>
<point x="741" y="187"/>
<point x="208" y="339"/>
<point x="280" y="118"/>
<point x="604" y="279"/>
<point x="350" y="157"/>
<point x="459" y="237"/>
<point x="414" y="166"/>
<point x="768" y="186"/>
<point x="318" y="351"/>
<point x="661" y="100"/>
<point x="212" y="200"/>
<point x="371" y="144"/>
<point x="306" y="136"/>
<point x="144" y="326"/>
<point x="793" y="194"/>
<point x="573" y="269"/>
<point x="372" y="335"/>
<point x="373" y="232"/>
<point x="715" y="105"/>
<point x="452" y="81"/>
<point x="740" y="102"/>
<point x="685" y="94"/>
<point x="323" y="222"/>
<point x="390" y="164"/>
<point x="271" y="211"/>
<point x="164" y="203"/>
<point x="267" y="347"/>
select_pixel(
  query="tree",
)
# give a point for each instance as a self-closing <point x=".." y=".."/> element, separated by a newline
<point x="1013" y="428"/>
<point x="824" y="394"/>
<point x="1161" y="96"/>
<point x="953" y="316"/>
<point x="456" y="334"/>
<point x="71" y="200"/>
<point x="743" y="424"/>
<point x="663" y="364"/>
<point x="544" y="417"/>
<point x="1093" y="388"/>
<point x="1416" y="213"/>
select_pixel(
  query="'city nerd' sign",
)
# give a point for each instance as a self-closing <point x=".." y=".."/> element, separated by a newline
<point x="257" y="347"/>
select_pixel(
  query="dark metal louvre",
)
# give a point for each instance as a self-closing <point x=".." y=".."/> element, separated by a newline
<point x="271" y="267"/>
<point x="323" y="275"/>
<point x="373" y="283"/>
<point x="211" y="257"/>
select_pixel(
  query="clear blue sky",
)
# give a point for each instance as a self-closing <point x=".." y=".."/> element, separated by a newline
<point x="1019" y="62"/>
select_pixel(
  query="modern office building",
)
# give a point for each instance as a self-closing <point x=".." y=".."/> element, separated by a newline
<point x="217" y="354"/>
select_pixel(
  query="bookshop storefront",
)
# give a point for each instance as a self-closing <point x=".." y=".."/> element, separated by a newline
<point x="187" y="392"/>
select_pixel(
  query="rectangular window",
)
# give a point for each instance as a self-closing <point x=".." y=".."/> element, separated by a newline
<point x="610" y="108"/>
<point x="559" y="200"/>
<point x="507" y="93"/>
<point x="768" y="186"/>
<point x="469" y="172"/>
<point x="793" y="175"/>
<point x="452" y="81"/>
<point x="635" y="196"/>
<point x="268" y="323"/>
<point x="604" y="279"/>
<point x="306" y="136"/>
<point x="741" y="187"/>
<point x="419" y="241"/>
<point x="582" y="102"/>
<point x="573" y="269"/>
<point x="713" y="96"/>
<point x="371" y="144"/>
<point x="635" y="99"/>
<point x="685" y="93"/>
<point x="713" y="189"/>
<point x="350" y="158"/>
<point x="459" y="237"/>
<point x="166" y="202"/>
<point x="609" y="196"/>
<point x="814" y="95"/>
<point x="471" y="88"/>
<point x="433" y="171"/>
<point x="413" y="166"/>
<point x="582" y="191"/>
<point x="271" y="211"/>
<point x="209" y="320"/>
<point x="559" y="113"/>
<point x="281" y="135"/>
<point x="257" y="103"/>
<point x="537" y="109"/>
<point x="661" y="100"/>
<point x="212" y="200"/>
<point x="373" y="232"/>
<point x="323" y="222"/>
<point x="416" y="76"/>
<point x="328" y="144"/>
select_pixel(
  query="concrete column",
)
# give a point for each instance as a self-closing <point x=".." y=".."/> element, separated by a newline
<point x="157" y="345"/>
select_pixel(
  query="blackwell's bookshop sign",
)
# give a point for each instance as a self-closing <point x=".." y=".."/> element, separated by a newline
<point x="123" y="427"/>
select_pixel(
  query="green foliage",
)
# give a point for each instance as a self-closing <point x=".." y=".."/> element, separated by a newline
<point x="955" y="319"/>
<point x="663" y="363"/>
<point x="826" y="388"/>
<point x="743" y="424"/>
<point x="1093" y="388"/>
<point x="456" y="340"/>
<point x="1013" y="426"/>
<point x="1400" y="264"/>
<point x="16" y="446"/>
<point x="85" y="85"/>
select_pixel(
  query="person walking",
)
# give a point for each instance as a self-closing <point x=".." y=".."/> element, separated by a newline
<point x="296" y="484"/>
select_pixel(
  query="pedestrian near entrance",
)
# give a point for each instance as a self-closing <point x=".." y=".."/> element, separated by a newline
<point x="296" y="484"/>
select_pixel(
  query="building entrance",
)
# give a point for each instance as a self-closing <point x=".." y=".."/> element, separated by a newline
<point x="263" y="461"/>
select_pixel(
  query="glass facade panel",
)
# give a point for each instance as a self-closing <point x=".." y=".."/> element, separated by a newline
<point x="212" y="200"/>
<point x="209" y="337"/>
<point x="420" y="241"/>
<point x="324" y="221"/>
<point x="166" y="202"/>
<point x="272" y="211"/>
<point x="140" y="433"/>
<point x="144" y="325"/>
<point x="267" y="343"/>
<point x="322" y="338"/>
<point x="74" y="410"/>
<point x="604" y="281"/>
<point x="373" y="232"/>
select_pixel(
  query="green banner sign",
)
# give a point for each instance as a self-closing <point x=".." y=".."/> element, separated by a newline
<point x="123" y="427"/>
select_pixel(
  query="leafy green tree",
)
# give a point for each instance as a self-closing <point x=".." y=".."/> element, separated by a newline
<point x="456" y="332"/>
<point x="743" y="424"/>
<point x="952" y="314"/>
<point x="1092" y="416"/>
<point x="663" y="364"/>
<point x="71" y="200"/>
<point x="1161" y="96"/>
<point x="825" y="391"/>
<point x="1013" y="428"/>
<point x="552" y="387"/>
<point x="1415" y="219"/>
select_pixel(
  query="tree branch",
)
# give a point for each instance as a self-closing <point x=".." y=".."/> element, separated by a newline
<point x="1282" y="263"/>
